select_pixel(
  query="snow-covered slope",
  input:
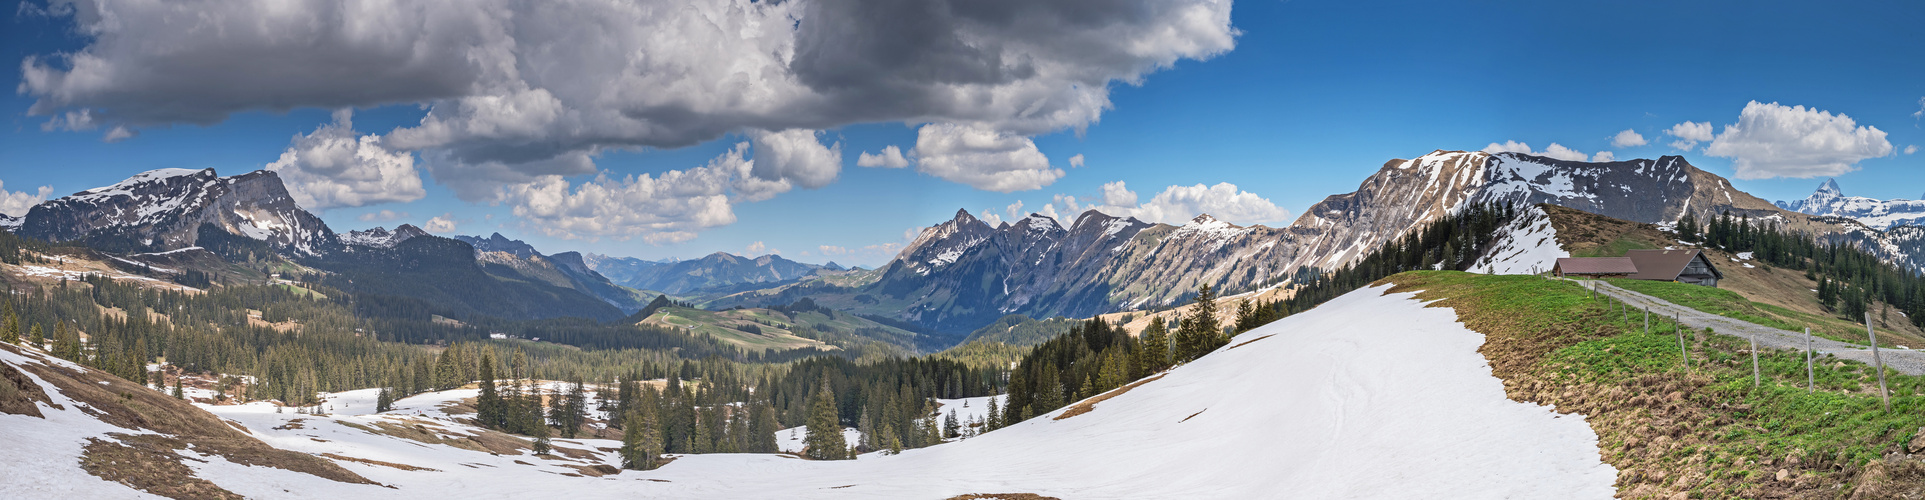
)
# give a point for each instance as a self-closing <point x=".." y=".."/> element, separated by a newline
<point x="381" y="237"/>
<point x="1880" y="214"/>
<point x="1528" y="245"/>
<point x="1368" y="396"/>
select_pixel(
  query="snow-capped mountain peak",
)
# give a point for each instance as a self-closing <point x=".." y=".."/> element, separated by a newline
<point x="165" y="209"/>
<point x="382" y="238"/>
<point x="1829" y="200"/>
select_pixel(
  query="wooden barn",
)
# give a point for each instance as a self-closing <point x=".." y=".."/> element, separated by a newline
<point x="1684" y="266"/>
<point x="1595" y="267"/>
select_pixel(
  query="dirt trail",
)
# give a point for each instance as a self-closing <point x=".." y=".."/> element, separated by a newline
<point x="1901" y="360"/>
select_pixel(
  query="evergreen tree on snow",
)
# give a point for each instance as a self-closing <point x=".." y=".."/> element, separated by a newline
<point x="824" y="439"/>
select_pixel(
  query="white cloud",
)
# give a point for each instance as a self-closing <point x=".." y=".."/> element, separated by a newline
<point x="332" y="167"/>
<point x="1773" y="140"/>
<point x="1563" y="153"/>
<point x="795" y="156"/>
<point x="1604" y="156"/>
<point x="1556" y="151"/>
<point x="1076" y="161"/>
<point x="444" y="223"/>
<point x="1921" y="110"/>
<point x="1015" y="210"/>
<point x="982" y="158"/>
<point x="1118" y="194"/>
<point x="991" y="219"/>
<point x="1689" y="134"/>
<point x="755" y="248"/>
<point x="517" y="91"/>
<point x="1627" y="138"/>
<point x="384" y="215"/>
<point x="1179" y="204"/>
<point x="1911" y="149"/>
<point x="18" y="203"/>
<point x="1508" y="147"/>
<point x="890" y="157"/>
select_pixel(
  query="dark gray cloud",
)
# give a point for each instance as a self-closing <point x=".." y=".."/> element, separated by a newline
<point x="520" y="90"/>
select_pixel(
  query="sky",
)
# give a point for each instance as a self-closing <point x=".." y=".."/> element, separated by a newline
<point x="834" y="131"/>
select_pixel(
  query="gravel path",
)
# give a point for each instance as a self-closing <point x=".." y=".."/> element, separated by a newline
<point x="1900" y="360"/>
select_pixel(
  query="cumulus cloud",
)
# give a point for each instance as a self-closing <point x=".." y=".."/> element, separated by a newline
<point x="382" y="216"/>
<point x="795" y="157"/>
<point x="1627" y="138"/>
<point x="1563" y="153"/>
<point x="444" y="223"/>
<point x="1911" y="149"/>
<point x="1689" y="134"/>
<point x="1555" y="151"/>
<point x="890" y="157"/>
<point x="514" y="87"/>
<point x="1179" y="204"/>
<point x="1604" y="156"/>
<point x="1076" y="161"/>
<point x="1773" y="140"/>
<point x="982" y="158"/>
<point x="18" y="203"/>
<point x="755" y="248"/>
<point x="334" y="167"/>
<point x="1015" y="210"/>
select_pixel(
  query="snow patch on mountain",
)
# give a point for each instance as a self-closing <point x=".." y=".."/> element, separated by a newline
<point x="1528" y="245"/>
<point x="1829" y="200"/>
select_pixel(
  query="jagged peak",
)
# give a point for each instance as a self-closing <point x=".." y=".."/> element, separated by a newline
<point x="962" y="215"/>
<point x="1040" y="222"/>
<point x="1830" y="187"/>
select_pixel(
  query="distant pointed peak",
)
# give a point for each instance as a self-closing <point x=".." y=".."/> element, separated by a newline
<point x="963" y="214"/>
<point x="1203" y="219"/>
<point x="1830" y="186"/>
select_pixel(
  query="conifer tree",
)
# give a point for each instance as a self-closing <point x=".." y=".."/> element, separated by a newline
<point x="35" y="338"/>
<point x="384" y="402"/>
<point x="824" y="439"/>
<point x="489" y="410"/>
<point x="178" y="392"/>
<point x="642" y="439"/>
<point x="542" y="445"/>
<point x="10" y="329"/>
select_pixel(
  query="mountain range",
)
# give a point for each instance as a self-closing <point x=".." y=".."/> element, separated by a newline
<point x="1882" y="214"/>
<point x="961" y="274"/>
<point x="956" y="276"/>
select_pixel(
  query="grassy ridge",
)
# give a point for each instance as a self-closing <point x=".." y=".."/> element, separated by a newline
<point x="1705" y="432"/>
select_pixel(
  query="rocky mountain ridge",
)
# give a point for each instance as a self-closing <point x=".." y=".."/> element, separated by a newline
<point x="961" y="274"/>
<point x="162" y="210"/>
<point x="1829" y="200"/>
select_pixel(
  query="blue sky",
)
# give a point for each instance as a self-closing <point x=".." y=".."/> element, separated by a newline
<point x="1311" y="98"/>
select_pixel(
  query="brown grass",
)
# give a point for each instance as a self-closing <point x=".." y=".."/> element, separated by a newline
<point x="1247" y="342"/>
<point x="148" y="463"/>
<point x="133" y="407"/>
<point x="487" y="441"/>
<point x="18" y="393"/>
<point x="390" y="465"/>
<point x="1088" y="405"/>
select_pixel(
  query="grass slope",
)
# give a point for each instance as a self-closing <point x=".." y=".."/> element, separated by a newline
<point x="757" y="328"/>
<point x="1705" y="432"/>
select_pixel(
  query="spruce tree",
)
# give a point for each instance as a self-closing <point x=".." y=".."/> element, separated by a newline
<point x="641" y="439"/>
<point x="35" y="338"/>
<point x="824" y="440"/>
<point x="10" y="329"/>
<point x="178" y="392"/>
<point x="384" y="402"/>
<point x="489" y="410"/>
<point x="1154" y="353"/>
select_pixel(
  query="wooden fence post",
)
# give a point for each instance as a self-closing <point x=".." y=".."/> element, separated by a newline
<point x="1811" y="380"/>
<point x="1882" y="393"/>
<point x="1681" y="349"/>
<point x="1756" y="379"/>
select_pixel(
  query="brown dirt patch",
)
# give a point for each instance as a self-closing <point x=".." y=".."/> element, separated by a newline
<point x="19" y="392"/>
<point x="488" y="441"/>
<point x="598" y="470"/>
<point x="1247" y="342"/>
<point x="134" y="407"/>
<point x="390" y="465"/>
<point x="1088" y="405"/>
<point x="1002" y="496"/>
<point x="148" y="463"/>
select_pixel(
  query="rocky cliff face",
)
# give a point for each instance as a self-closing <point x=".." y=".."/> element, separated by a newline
<point x="163" y="209"/>
<point x="1879" y="214"/>
<point x="963" y="273"/>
